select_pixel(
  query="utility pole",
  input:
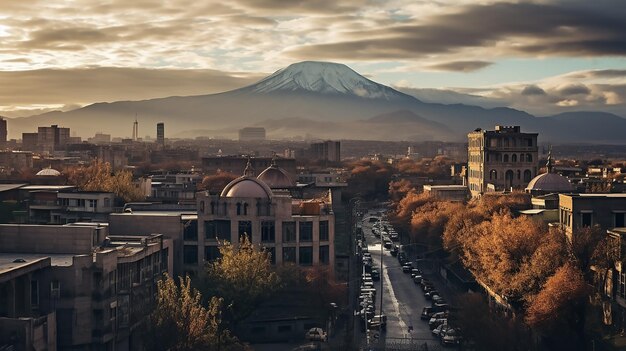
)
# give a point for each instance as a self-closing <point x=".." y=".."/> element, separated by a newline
<point x="380" y="317"/>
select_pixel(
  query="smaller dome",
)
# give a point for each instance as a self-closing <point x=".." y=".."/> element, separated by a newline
<point x="276" y="178"/>
<point x="247" y="186"/>
<point x="549" y="182"/>
<point x="50" y="172"/>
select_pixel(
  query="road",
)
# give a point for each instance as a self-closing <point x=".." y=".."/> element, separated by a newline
<point x="402" y="299"/>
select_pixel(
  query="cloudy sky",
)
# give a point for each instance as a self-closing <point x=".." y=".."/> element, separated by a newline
<point x="541" y="56"/>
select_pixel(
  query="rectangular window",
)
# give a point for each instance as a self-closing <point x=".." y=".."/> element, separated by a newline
<point x="55" y="289"/>
<point x="289" y="232"/>
<point x="306" y="256"/>
<point x="620" y="219"/>
<point x="190" y="232"/>
<point x="622" y="285"/>
<point x="218" y="229"/>
<point x="93" y="203"/>
<point x="268" y="231"/>
<point x="306" y="231"/>
<point x="323" y="230"/>
<point x="34" y="293"/>
<point x="245" y="228"/>
<point x="190" y="254"/>
<point x="211" y="253"/>
<point x="587" y="219"/>
<point x="324" y="254"/>
<point x="271" y="251"/>
<point x="289" y="254"/>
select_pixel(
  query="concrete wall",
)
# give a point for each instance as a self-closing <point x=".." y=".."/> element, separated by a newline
<point x="48" y="238"/>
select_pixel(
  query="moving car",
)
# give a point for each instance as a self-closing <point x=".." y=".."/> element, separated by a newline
<point x="316" y="334"/>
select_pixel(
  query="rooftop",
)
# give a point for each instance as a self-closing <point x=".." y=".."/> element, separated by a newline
<point x="8" y="187"/>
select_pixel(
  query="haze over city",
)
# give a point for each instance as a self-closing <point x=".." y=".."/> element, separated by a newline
<point x="544" y="57"/>
<point x="321" y="175"/>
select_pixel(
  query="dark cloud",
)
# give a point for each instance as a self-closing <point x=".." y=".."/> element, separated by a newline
<point x="527" y="28"/>
<point x="574" y="89"/>
<point x="63" y="86"/>
<point x="461" y="66"/>
<point x="531" y="90"/>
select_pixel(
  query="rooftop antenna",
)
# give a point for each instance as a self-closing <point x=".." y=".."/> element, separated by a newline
<point x="135" y="129"/>
<point x="549" y="162"/>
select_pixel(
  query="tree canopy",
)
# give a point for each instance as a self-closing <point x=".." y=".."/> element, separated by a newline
<point x="99" y="176"/>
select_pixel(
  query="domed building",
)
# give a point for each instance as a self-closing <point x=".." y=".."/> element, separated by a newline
<point x="298" y="231"/>
<point x="48" y="172"/>
<point x="548" y="183"/>
<point x="276" y="177"/>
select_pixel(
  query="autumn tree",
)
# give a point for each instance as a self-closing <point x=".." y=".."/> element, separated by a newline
<point x="216" y="182"/>
<point x="243" y="276"/>
<point x="370" y="179"/>
<point x="560" y="307"/>
<point x="180" y="322"/>
<point x="99" y="176"/>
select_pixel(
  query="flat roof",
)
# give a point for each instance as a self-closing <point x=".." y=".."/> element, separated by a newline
<point x="616" y="195"/>
<point x="184" y="214"/>
<point x="443" y="187"/>
<point x="7" y="187"/>
<point x="6" y="260"/>
<point x="47" y="187"/>
<point x="535" y="211"/>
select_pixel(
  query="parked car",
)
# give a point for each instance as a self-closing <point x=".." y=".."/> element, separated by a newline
<point x="378" y="321"/>
<point x="417" y="279"/>
<point x="440" y="329"/>
<point x="435" y="322"/>
<point x="451" y="336"/>
<point x="430" y="293"/>
<point x="388" y="244"/>
<point x="437" y="299"/>
<point x="406" y="268"/>
<point x="316" y="334"/>
<point x="415" y="272"/>
<point x="427" y="312"/>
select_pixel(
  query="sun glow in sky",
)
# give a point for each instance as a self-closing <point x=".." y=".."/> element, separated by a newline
<point x="541" y="56"/>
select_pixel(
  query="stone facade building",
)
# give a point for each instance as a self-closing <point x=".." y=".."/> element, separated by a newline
<point x="501" y="159"/>
<point x="293" y="230"/>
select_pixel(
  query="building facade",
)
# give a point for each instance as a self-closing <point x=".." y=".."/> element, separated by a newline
<point x="501" y="159"/>
<point x="326" y="151"/>
<point x="578" y="211"/>
<point x="252" y="134"/>
<point x="161" y="133"/>
<point x="293" y="231"/>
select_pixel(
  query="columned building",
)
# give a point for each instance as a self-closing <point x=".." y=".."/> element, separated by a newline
<point x="501" y="159"/>
<point x="298" y="231"/>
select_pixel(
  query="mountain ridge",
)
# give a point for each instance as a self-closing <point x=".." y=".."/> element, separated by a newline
<point x="327" y="93"/>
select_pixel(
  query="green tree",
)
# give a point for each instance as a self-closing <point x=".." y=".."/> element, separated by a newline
<point x="243" y="276"/>
<point x="180" y="322"/>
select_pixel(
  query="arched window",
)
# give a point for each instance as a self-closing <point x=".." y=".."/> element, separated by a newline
<point x="527" y="175"/>
<point x="508" y="179"/>
<point x="493" y="174"/>
<point x="529" y="158"/>
<point x="238" y="209"/>
<point x="506" y="158"/>
<point x="245" y="209"/>
<point x="514" y="158"/>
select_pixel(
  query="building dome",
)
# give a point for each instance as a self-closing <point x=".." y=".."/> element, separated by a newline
<point x="549" y="183"/>
<point x="247" y="187"/>
<point x="275" y="177"/>
<point x="49" y="172"/>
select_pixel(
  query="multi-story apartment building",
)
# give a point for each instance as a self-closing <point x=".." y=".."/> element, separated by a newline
<point x="326" y="151"/>
<point x="60" y="205"/>
<point x="585" y="210"/>
<point x="501" y="159"/>
<point x="294" y="231"/>
<point x="252" y="134"/>
<point x="97" y="289"/>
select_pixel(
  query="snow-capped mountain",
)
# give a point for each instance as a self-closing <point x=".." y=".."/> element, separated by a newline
<point x="324" y="78"/>
<point x="328" y="100"/>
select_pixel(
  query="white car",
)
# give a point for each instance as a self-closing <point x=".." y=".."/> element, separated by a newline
<point x="316" y="334"/>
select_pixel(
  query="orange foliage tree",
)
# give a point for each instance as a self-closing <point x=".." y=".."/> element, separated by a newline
<point x="216" y="182"/>
<point x="370" y="179"/>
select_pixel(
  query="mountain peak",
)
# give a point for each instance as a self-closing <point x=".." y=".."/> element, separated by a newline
<point x="327" y="78"/>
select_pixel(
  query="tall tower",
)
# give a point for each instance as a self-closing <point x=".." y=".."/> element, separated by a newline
<point x="3" y="131"/>
<point x="161" y="133"/>
<point x="135" y="129"/>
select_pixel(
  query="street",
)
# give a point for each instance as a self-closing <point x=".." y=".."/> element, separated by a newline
<point x="403" y="300"/>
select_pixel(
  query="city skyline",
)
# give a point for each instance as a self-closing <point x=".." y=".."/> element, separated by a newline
<point x="542" y="56"/>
